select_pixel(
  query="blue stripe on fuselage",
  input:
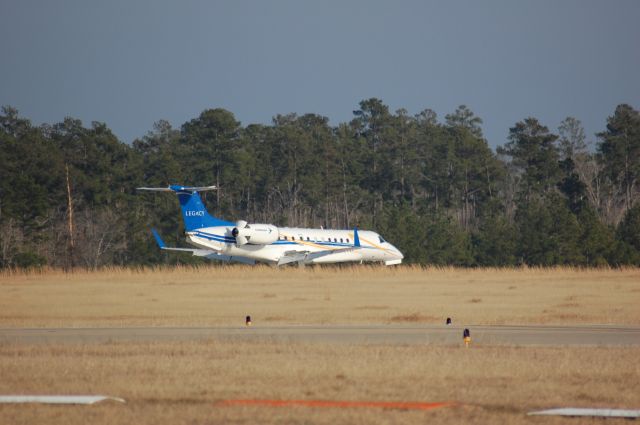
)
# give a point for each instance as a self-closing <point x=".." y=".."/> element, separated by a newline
<point x="214" y="237"/>
<point x="230" y="239"/>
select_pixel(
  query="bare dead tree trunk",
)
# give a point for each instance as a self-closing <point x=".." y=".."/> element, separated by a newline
<point x="71" y="246"/>
<point x="344" y="193"/>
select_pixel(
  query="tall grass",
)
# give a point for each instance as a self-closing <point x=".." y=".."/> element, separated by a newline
<point x="354" y="294"/>
<point x="183" y="383"/>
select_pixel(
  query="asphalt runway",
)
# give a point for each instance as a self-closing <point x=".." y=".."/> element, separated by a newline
<point x="592" y="335"/>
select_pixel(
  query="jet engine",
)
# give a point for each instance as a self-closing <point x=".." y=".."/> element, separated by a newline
<point x="254" y="234"/>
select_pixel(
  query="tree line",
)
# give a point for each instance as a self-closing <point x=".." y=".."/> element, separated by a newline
<point x="432" y="187"/>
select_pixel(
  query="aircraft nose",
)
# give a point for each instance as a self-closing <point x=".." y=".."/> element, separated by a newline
<point x="396" y="253"/>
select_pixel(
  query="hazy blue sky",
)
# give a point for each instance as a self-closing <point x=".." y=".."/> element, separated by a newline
<point x="130" y="63"/>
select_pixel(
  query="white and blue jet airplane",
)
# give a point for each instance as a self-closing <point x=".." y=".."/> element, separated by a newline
<point x="242" y="242"/>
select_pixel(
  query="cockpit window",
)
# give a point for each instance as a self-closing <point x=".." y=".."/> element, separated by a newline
<point x="381" y="240"/>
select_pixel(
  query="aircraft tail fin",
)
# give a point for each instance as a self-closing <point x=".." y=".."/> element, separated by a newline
<point x="194" y="214"/>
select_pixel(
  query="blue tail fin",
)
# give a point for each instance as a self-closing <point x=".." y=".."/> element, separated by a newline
<point x="194" y="213"/>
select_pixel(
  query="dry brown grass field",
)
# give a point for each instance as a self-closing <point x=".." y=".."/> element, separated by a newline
<point x="183" y="382"/>
<point x="211" y="296"/>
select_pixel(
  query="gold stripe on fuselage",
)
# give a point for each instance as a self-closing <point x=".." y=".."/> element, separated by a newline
<point x="309" y="243"/>
<point x="332" y="248"/>
<point x="373" y="244"/>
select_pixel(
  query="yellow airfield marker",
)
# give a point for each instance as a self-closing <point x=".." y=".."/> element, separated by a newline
<point x="466" y="337"/>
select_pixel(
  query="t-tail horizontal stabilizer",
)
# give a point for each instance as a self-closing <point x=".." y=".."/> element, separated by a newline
<point x="178" y="188"/>
<point x="206" y="253"/>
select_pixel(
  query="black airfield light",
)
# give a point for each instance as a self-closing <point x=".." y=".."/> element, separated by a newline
<point x="247" y="321"/>
<point x="466" y="337"/>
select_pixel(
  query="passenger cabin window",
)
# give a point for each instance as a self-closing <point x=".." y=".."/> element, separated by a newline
<point x="308" y="238"/>
<point x="340" y="240"/>
<point x="347" y="240"/>
<point x="335" y="240"/>
<point x="301" y="238"/>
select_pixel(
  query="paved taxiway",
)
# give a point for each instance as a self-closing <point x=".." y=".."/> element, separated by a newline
<point x="594" y="335"/>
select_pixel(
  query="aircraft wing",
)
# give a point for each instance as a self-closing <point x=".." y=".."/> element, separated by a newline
<point x="206" y="253"/>
<point x="213" y="255"/>
<point x="292" y="257"/>
<point x="307" y="256"/>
